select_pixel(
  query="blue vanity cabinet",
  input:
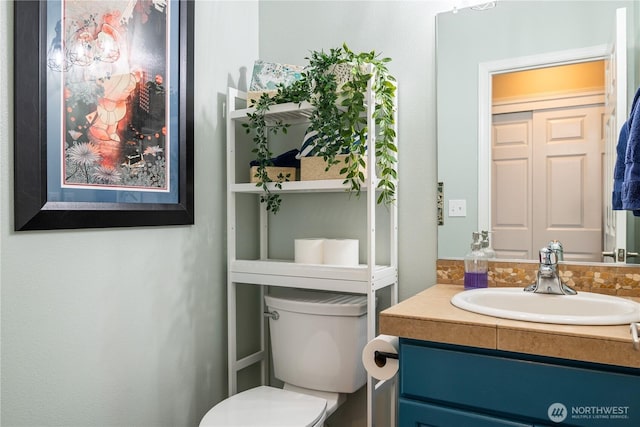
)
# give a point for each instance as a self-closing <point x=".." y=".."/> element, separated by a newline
<point x="455" y="386"/>
<point x="422" y="414"/>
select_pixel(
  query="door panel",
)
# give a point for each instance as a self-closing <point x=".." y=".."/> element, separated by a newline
<point x="567" y="181"/>
<point x="511" y="185"/>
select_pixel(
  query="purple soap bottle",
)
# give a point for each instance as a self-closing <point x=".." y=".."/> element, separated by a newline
<point x="476" y="266"/>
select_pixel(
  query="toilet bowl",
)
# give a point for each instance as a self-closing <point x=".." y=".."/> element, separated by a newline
<point x="317" y="340"/>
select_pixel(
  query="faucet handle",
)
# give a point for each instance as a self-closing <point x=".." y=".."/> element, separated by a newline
<point x="556" y="246"/>
<point x="548" y="256"/>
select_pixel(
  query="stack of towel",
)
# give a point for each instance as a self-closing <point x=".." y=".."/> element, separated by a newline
<point x="626" y="174"/>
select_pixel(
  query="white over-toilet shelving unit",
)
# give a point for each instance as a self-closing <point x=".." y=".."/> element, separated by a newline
<point x="365" y="279"/>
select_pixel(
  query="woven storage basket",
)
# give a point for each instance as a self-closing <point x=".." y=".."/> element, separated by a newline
<point x="273" y="172"/>
<point x="253" y="96"/>
<point x="313" y="168"/>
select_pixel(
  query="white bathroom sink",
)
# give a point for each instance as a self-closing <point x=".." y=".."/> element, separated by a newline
<point x="585" y="308"/>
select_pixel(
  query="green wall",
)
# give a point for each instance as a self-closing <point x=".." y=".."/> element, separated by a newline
<point x="403" y="31"/>
<point x="124" y="327"/>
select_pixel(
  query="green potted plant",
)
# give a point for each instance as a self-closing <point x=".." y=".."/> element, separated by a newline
<point x="338" y="116"/>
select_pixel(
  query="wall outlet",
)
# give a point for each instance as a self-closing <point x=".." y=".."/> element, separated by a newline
<point x="457" y="208"/>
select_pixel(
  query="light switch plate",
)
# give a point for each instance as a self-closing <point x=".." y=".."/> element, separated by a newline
<point x="457" y="208"/>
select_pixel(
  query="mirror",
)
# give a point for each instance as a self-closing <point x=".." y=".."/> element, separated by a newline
<point x="470" y="39"/>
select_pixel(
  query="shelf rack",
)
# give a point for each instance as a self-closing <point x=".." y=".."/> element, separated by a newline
<point x="365" y="279"/>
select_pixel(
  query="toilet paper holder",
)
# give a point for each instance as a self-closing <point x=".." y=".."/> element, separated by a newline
<point x="380" y="357"/>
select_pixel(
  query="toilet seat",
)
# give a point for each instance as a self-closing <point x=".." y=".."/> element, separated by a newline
<point x="266" y="406"/>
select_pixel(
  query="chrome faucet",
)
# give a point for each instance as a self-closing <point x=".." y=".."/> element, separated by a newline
<point x="547" y="280"/>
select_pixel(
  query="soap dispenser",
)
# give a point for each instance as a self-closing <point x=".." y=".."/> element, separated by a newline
<point x="476" y="265"/>
<point x="486" y="245"/>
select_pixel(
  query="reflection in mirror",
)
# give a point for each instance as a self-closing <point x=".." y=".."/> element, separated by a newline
<point x="505" y="34"/>
<point x="546" y="157"/>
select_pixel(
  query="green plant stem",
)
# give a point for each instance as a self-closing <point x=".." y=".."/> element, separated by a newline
<point x="339" y="116"/>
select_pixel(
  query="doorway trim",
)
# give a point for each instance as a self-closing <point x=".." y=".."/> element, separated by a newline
<point x="486" y="70"/>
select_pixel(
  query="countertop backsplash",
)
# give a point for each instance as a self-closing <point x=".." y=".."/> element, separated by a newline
<point x="613" y="279"/>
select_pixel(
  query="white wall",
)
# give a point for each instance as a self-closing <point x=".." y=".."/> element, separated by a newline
<point x="120" y="327"/>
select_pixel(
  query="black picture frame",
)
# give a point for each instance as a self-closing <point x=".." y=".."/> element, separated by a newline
<point x="32" y="209"/>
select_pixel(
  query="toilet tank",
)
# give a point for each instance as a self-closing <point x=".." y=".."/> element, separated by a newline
<point x="318" y="338"/>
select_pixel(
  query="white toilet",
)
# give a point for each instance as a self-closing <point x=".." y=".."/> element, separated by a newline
<point x="316" y="343"/>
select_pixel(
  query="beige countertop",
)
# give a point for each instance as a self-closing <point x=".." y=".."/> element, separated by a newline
<point x="430" y="316"/>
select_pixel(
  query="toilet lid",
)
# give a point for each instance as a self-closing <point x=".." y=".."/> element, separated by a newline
<point x="266" y="406"/>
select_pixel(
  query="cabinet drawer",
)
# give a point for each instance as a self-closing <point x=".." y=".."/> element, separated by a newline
<point x="494" y="383"/>
<point x="420" y="414"/>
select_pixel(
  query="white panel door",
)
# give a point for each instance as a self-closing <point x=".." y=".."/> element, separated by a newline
<point x="567" y="180"/>
<point x="546" y="182"/>
<point x="511" y="185"/>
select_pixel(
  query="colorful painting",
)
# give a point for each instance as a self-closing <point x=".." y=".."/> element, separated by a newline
<point x="113" y="59"/>
<point x="103" y="94"/>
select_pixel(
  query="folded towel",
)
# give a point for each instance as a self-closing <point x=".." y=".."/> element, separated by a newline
<point x="631" y="183"/>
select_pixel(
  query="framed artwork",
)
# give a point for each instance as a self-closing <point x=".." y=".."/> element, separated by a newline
<point x="103" y="124"/>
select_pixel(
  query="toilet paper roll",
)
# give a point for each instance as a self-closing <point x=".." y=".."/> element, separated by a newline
<point x="382" y="368"/>
<point x="308" y="251"/>
<point x="341" y="252"/>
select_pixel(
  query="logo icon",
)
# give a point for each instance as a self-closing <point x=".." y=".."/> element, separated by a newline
<point x="557" y="412"/>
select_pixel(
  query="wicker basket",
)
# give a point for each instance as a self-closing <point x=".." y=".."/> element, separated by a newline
<point x="273" y="172"/>
<point x="313" y="168"/>
<point x="253" y="96"/>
